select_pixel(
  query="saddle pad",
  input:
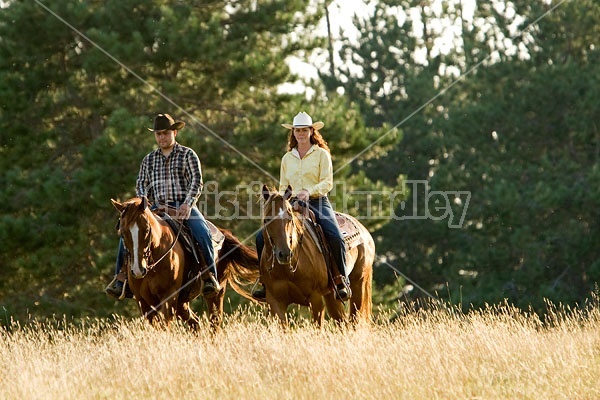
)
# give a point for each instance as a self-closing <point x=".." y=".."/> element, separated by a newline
<point x="217" y="236"/>
<point x="349" y="229"/>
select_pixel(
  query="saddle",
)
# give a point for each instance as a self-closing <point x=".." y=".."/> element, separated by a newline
<point x="350" y="231"/>
<point x="191" y="291"/>
<point x="185" y="236"/>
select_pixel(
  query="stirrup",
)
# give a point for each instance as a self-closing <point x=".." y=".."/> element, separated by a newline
<point x="110" y="289"/>
<point x="126" y="292"/>
<point x="342" y="288"/>
<point x="122" y="296"/>
<point x="210" y="286"/>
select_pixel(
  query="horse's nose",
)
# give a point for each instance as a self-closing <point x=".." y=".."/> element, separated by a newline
<point x="283" y="256"/>
<point x="139" y="272"/>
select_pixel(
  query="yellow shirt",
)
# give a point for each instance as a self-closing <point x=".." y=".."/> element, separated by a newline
<point x="314" y="172"/>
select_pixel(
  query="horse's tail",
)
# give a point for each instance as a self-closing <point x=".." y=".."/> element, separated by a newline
<point x="369" y="258"/>
<point x="367" y="311"/>
<point x="239" y="264"/>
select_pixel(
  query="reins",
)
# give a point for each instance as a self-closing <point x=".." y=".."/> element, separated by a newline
<point x="168" y="251"/>
<point x="148" y="250"/>
<point x="300" y="234"/>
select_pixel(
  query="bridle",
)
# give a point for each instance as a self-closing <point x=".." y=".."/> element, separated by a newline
<point x="147" y="252"/>
<point x="293" y="263"/>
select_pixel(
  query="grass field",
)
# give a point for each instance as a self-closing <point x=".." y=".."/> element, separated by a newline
<point x="438" y="353"/>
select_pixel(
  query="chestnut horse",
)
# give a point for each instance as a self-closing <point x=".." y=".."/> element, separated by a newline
<point x="294" y="271"/>
<point x="159" y="265"/>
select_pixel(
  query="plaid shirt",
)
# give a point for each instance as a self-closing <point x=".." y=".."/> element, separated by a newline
<point x="177" y="178"/>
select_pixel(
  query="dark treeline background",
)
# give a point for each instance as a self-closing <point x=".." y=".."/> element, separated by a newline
<point x="507" y="112"/>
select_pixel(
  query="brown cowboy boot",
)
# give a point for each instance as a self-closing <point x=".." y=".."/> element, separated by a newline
<point x="342" y="288"/>
<point x="259" y="292"/>
<point x="210" y="286"/>
<point x="118" y="287"/>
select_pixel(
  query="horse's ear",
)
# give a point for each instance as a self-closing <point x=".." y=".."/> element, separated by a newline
<point x="288" y="192"/>
<point x="144" y="203"/>
<point x="120" y="207"/>
<point x="266" y="193"/>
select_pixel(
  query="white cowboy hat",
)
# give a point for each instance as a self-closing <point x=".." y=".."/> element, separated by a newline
<point x="302" y="120"/>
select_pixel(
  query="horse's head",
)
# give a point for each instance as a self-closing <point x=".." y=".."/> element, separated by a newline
<point x="280" y="226"/>
<point x="135" y="229"/>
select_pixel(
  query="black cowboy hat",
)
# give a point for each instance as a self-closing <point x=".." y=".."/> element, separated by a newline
<point x="164" y="122"/>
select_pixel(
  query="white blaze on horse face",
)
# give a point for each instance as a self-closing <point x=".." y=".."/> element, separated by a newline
<point x="135" y="232"/>
<point x="281" y="213"/>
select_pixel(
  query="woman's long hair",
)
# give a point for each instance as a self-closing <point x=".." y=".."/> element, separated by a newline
<point x="315" y="138"/>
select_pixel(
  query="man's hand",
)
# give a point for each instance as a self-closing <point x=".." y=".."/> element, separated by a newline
<point x="184" y="211"/>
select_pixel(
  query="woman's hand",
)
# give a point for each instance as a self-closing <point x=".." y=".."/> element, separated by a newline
<point x="303" y="195"/>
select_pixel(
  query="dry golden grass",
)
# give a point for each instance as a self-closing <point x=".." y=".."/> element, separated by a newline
<point x="497" y="353"/>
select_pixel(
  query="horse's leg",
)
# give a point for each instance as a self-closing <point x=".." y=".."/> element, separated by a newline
<point x="356" y="302"/>
<point x="215" y="309"/>
<point x="167" y="310"/>
<point x="185" y="313"/>
<point x="278" y="309"/>
<point x="317" y="307"/>
<point x="147" y="311"/>
<point x="357" y="287"/>
<point x="361" y="303"/>
<point x="335" y="308"/>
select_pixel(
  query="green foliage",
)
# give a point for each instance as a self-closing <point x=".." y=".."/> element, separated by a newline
<point x="517" y="132"/>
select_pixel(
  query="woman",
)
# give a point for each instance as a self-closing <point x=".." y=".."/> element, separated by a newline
<point x="307" y="168"/>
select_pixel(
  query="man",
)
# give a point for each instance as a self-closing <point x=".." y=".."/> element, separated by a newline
<point x="171" y="176"/>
